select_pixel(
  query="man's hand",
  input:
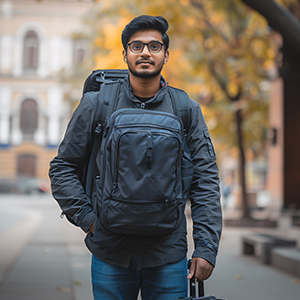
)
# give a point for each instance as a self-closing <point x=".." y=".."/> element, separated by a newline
<point x="201" y="268"/>
<point x="92" y="228"/>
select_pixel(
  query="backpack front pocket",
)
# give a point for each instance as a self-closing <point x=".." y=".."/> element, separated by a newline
<point x="134" y="217"/>
<point x="146" y="165"/>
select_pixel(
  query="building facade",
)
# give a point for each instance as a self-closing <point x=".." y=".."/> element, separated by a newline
<point x="36" y="43"/>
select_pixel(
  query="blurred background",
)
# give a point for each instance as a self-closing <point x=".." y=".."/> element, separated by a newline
<point x="238" y="59"/>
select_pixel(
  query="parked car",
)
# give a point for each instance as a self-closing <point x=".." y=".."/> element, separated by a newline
<point x="23" y="185"/>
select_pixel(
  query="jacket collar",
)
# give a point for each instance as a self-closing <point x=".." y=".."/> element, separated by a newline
<point x="159" y="97"/>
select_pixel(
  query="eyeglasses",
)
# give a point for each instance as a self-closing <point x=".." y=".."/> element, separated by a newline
<point x="138" y="47"/>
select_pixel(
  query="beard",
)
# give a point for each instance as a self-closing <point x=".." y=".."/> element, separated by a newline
<point x="144" y="73"/>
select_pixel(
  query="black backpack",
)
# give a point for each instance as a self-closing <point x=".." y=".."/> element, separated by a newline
<point x="146" y="170"/>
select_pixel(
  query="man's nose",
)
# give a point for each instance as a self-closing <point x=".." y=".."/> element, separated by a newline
<point x="145" y="51"/>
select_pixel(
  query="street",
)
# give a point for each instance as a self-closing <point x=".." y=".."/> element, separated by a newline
<point x="43" y="257"/>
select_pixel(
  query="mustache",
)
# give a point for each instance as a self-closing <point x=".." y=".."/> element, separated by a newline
<point x="145" y="61"/>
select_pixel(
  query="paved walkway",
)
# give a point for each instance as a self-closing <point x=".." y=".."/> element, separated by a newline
<point x="43" y="257"/>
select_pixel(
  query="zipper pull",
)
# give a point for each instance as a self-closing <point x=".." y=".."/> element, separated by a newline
<point x="149" y="151"/>
<point x="114" y="186"/>
<point x="98" y="129"/>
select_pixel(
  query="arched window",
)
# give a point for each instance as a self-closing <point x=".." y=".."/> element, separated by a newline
<point x="28" y="118"/>
<point x="80" y="50"/>
<point x="30" y="51"/>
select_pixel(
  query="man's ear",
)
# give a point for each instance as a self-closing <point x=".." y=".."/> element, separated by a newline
<point x="167" y="53"/>
<point x="124" y="56"/>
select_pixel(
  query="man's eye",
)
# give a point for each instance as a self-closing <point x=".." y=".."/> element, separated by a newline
<point x="136" y="46"/>
<point x="154" y="47"/>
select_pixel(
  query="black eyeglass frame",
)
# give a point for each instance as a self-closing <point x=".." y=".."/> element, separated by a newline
<point x="145" y="44"/>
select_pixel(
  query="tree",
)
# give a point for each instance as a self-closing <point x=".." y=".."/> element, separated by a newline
<point x="238" y="54"/>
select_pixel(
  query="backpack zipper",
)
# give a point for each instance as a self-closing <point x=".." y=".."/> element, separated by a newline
<point x="148" y="125"/>
<point x="137" y="111"/>
<point x="166" y="202"/>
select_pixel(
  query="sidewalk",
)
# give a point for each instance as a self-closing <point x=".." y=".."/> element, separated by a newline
<point x="43" y="257"/>
<point x="238" y="277"/>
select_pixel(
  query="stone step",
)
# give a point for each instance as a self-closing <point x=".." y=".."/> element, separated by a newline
<point x="261" y="245"/>
<point x="287" y="259"/>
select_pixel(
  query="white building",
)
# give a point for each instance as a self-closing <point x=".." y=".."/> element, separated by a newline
<point x="35" y="45"/>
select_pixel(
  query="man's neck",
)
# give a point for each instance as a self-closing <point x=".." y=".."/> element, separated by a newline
<point x="145" y="87"/>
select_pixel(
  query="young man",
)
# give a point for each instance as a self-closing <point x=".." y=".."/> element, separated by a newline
<point x="122" y="264"/>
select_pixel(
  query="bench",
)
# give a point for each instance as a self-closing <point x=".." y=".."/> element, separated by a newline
<point x="296" y="220"/>
<point x="287" y="259"/>
<point x="261" y="245"/>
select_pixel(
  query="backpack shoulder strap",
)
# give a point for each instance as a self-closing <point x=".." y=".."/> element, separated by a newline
<point x="104" y="105"/>
<point x="107" y="101"/>
<point x="181" y="106"/>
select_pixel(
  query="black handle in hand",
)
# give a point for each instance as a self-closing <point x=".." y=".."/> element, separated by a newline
<point x="193" y="284"/>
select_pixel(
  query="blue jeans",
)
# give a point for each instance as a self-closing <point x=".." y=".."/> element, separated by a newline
<point x="112" y="282"/>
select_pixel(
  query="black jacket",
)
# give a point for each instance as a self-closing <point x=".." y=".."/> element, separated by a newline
<point x="117" y="249"/>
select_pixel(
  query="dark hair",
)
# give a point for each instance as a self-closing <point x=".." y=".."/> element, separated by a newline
<point x="145" y="22"/>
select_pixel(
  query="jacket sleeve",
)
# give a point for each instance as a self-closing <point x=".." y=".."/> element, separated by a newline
<point x="204" y="192"/>
<point x="73" y="155"/>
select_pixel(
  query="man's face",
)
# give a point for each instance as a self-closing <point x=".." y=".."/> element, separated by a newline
<point x="146" y="64"/>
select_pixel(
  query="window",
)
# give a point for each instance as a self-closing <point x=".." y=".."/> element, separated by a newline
<point x="80" y="49"/>
<point x="26" y="165"/>
<point x="30" y="51"/>
<point x="28" y="118"/>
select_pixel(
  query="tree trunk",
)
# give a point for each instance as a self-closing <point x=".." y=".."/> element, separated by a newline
<point x="242" y="163"/>
<point x="280" y="19"/>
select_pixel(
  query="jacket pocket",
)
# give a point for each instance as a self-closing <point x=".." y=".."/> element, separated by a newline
<point x="211" y="155"/>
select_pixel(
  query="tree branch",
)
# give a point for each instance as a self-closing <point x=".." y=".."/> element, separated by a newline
<point x="204" y="15"/>
<point x="222" y="85"/>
